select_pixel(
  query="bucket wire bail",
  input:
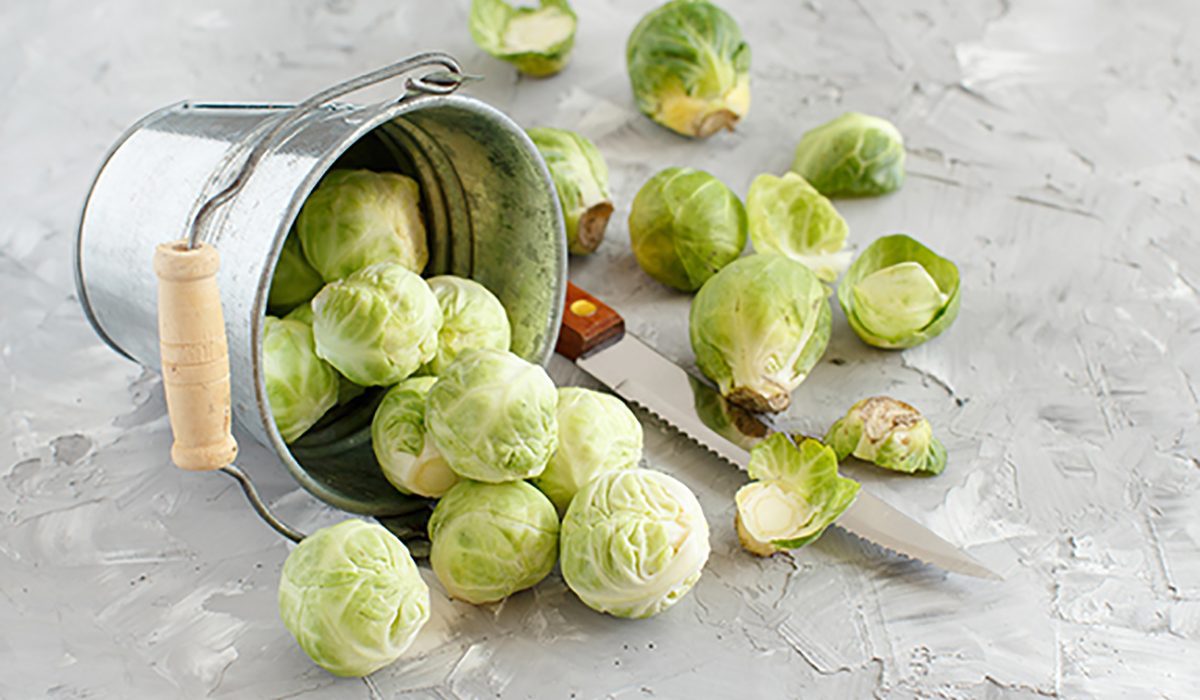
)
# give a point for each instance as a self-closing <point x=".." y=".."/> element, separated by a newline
<point x="191" y="325"/>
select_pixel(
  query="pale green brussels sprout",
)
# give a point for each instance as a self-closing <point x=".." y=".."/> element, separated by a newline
<point x="633" y="543"/>
<point x="898" y="293"/>
<point x="797" y="493"/>
<point x="690" y="68"/>
<point x="597" y="434"/>
<point x="302" y="313"/>
<point x="581" y="180"/>
<point x="684" y="226"/>
<point x="472" y="317"/>
<point x="789" y="217"/>
<point x="492" y="416"/>
<point x="890" y="434"/>
<point x="301" y="386"/>
<point x="357" y="217"/>
<point x="295" y="281"/>
<point x="537" y="40"/>
<point x="352" y="597"/>
<point x="492" y="540"/>
<point x="409" y="459"/>
<point x="378" y="325"/>
<point x="758" y="327"/>
<point x="855" y="155"/>
<point x="347" y="390"/>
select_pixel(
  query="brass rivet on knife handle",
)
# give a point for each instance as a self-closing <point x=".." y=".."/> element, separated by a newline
<point x="195" y="355"/>
<point x="587" y="324"/>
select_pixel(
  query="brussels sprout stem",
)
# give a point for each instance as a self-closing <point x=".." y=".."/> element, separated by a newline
<point x="592" y="224"/>
<point x="713" y="122"/>
<point x="755" y="547"/>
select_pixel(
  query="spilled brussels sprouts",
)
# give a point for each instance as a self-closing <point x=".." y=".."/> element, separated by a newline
<point x="789" y="217"/>
<point x="295" y="281"/>
<point x="301" y="386"/>
<point x="408" y="457"/>
<point x="352" y="597"/>
<point x="633" y="543"/>
<point x="855" y="155"/>
<point x="581" y="180"/>
<point x="690" y="68"/>
<point x="758" y="327"/>
<point x="898" y="293"/>
<point x="684" y="226"/>
<point x="795" y="495"/>
<point x="537" y="40"/>
<point x="492" y="540"/>
<point x="472" y="317"/>
<point x="890" y="434"/>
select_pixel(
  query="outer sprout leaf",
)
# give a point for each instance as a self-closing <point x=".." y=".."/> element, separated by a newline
<point x="789" y="217"/>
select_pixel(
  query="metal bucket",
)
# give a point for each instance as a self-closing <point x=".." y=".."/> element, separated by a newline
<point x="489" y="205"/>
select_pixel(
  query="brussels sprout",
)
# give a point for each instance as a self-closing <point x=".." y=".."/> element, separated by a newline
<point x="378" y="325"/>
<point x="352" y="597"/>
<point x="492" y="540"/>
<point x="537" y="40"/>
<point x="347" y="390"/>
<point x="789" y="217"/>
<point x="301" y="386"/>
<point x="410" y="462"/>
<point x="758" y="327"/>
<point x="633" y="543"/>
<point x="472" y="317"/>
<point x="797" y="493"/>
<point x="899" y="293"/>
<point x="357" y="217"/>
<point x="684" y="226"/>
<point x="492" y="415"/>
<point x="597" y="434"/>
<point x="581" y="179"/>
<point x="690" y="68"/>
<point x="890" y="434"/>
<point x="295" y="281"/>
<point x="855" y="155"/>
<point x="302" y="313"/>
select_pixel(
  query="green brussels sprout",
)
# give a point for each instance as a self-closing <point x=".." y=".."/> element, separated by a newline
<point x="633" y="543"/>
<point x="353" y="598"/>
<point x="410" y="462"/>
<point x="377" y="326"/>
<point x="684" y="226"/>
<point x="890" y="434"/>
<point x="537" y="40"/>
<point x="855" y="155"/>
<point x="581" y="180"/>
<point x="795" y="495"/>
<point x="789" y="217"/>
<point x="492" y="540"/>
<point x="597" y="434"/>
<point x="690" y="68"/>
<point x="295" y="281"/>
<point x="492" y="415"/>
<point x="357" y="217"/>
<point x="472" y="317"/>
<point x="758" y="327"/>
<point x="898" y="293"/>
<point x="301" y="386"/>
<point x="302" y="313"/>
<point x="347" y="390"/>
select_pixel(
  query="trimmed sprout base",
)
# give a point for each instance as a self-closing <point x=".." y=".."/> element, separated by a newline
<point x="889" y="434"/>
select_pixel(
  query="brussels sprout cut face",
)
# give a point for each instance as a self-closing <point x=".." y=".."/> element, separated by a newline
<point x="301" y="387"/>
<point x="890" y="434"/>
<point x="581" y="180"/>
<point x="537" y="40"/>
<point x="409" y="459"/>
<point x="472" y="317"/>
<point x="789" y="217"/>
<point x="295" y="281"/>
<point x="855" y="155"/>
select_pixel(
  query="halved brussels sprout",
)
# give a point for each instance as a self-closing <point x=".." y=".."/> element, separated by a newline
<point x="684" y="226"/>
<point x="378" y="325"/>
<point x="581" y="180"/>
<point x="409" y="459"/>
<point x="597" y="434"/>
<point x="492" y="540"/>
<point x="855" y="155"/>
<point x="758" y="327"/>
<point x="492" y="416"/>
<point x="890" y="434"/>
<point x="797" y="493"/>
<point x="634" y="542"/>
<point x="537" y="40"/>
<point x="352" y="597"/>
<point x="472" y="317"/>
<point x="899" y="293"/>
<point x="301" y="386"/>
<point x="690" y="68"/>
<point x="295" y="281"/>
<point x="789" y="217"/>
<point x="357" y="217"/>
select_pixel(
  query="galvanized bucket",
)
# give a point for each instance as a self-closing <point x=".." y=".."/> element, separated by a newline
<point x="237" y="175"/>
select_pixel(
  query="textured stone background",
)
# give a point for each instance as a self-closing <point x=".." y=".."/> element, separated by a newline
<point x="1054" y="153"/>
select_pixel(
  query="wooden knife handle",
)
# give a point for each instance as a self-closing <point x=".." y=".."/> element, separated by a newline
<point x="587" y="324"/>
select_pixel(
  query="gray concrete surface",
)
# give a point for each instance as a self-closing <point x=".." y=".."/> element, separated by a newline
<point x="1054" y="154"/>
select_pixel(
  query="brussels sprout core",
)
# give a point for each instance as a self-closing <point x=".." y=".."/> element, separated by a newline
<point x="890" y="434"/>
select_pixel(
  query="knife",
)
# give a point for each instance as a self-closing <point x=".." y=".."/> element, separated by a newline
<point x="593" y="336"/>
